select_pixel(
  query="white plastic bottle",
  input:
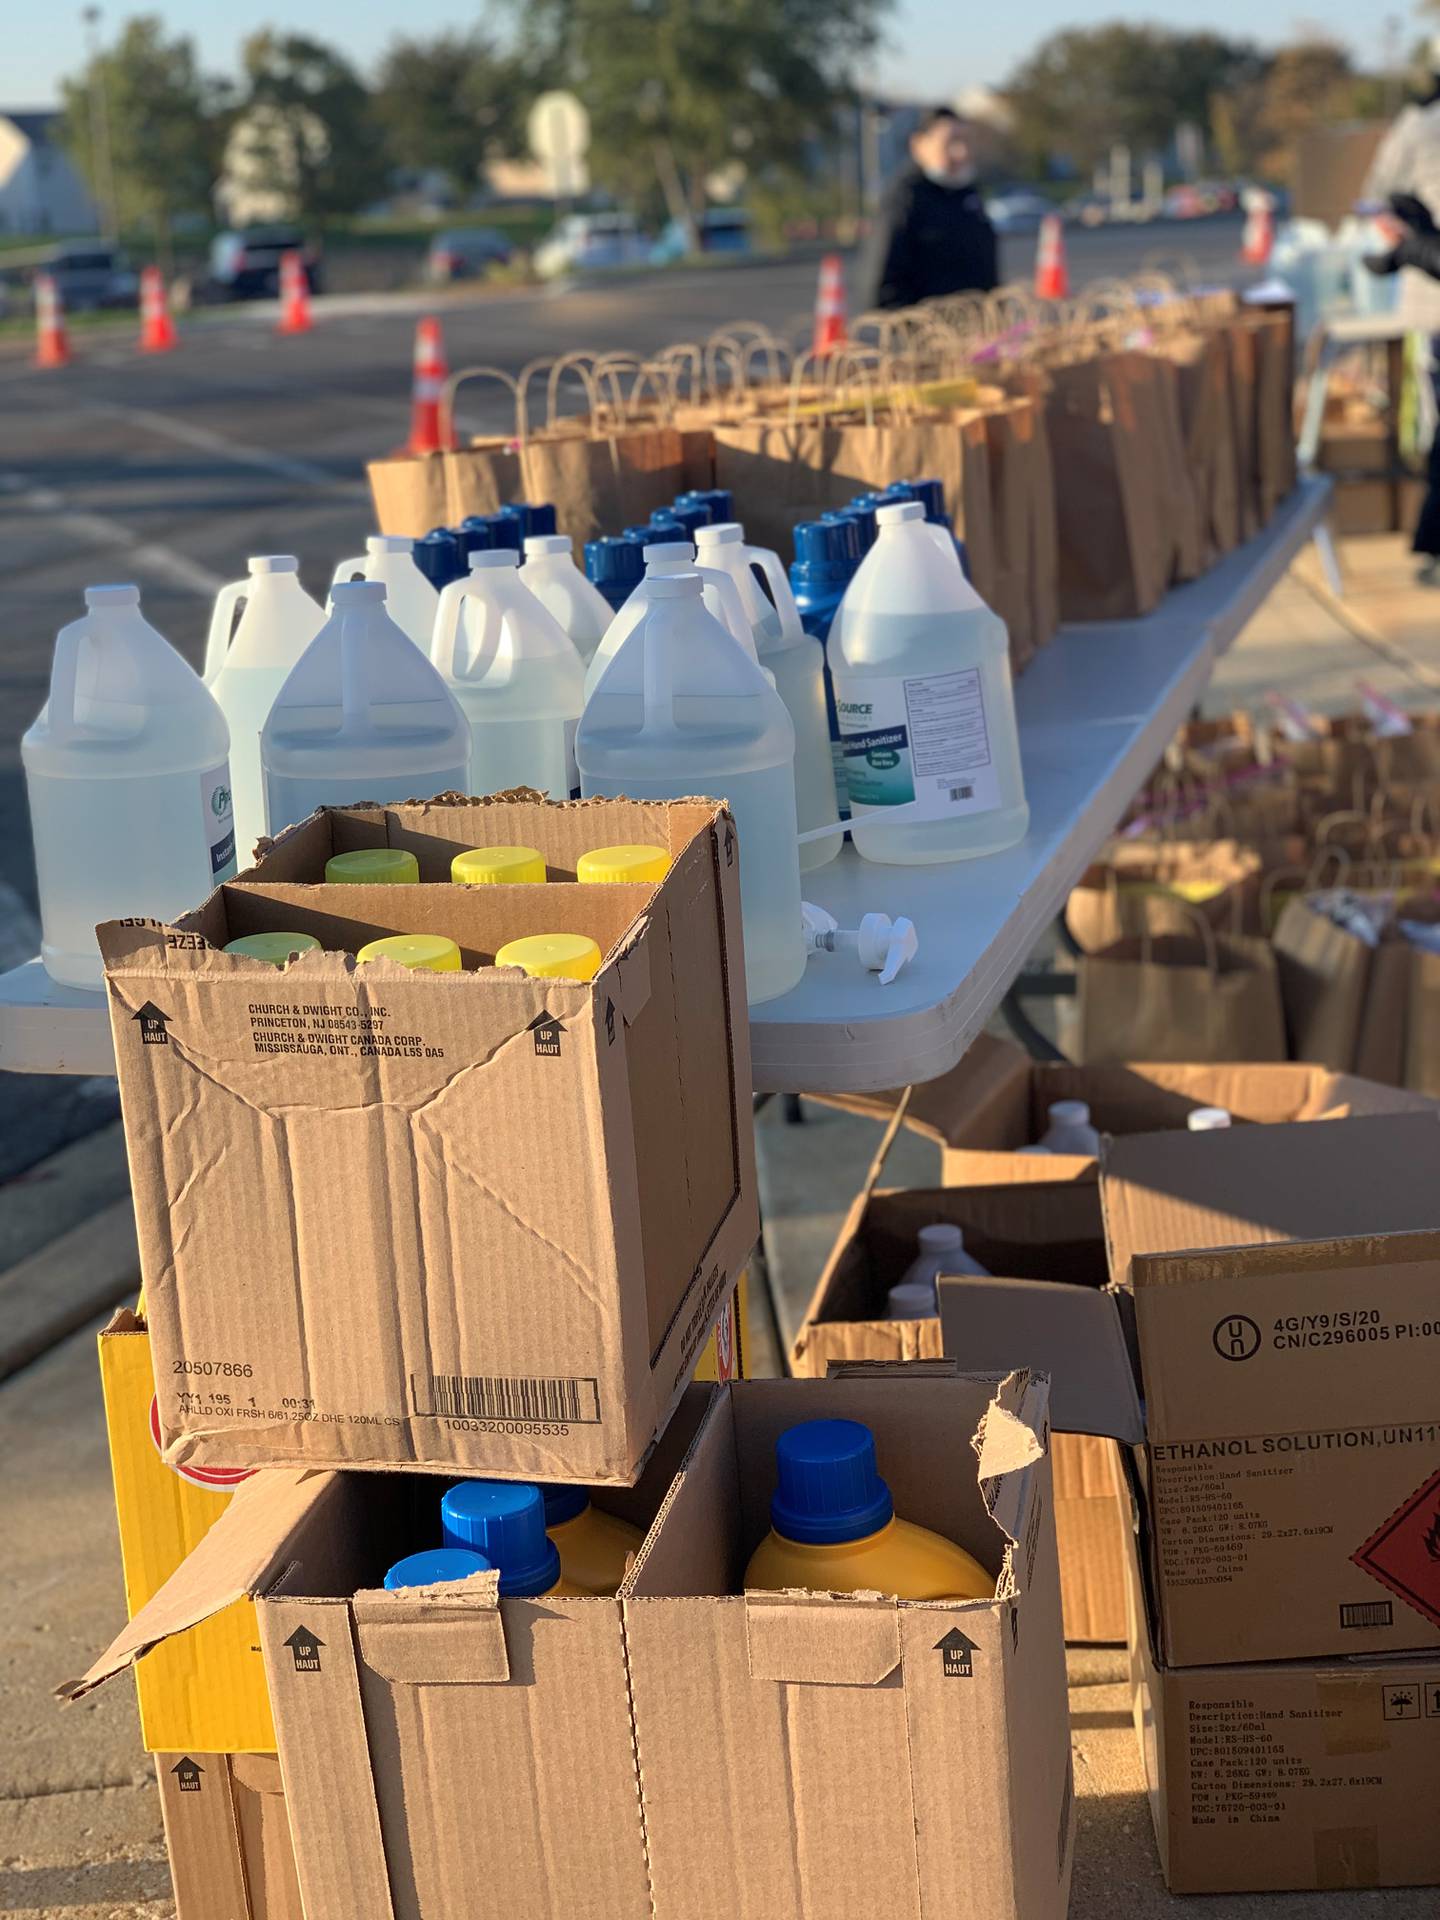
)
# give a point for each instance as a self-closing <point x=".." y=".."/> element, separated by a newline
<point x="410" y="600"/>
<point x="1070" y="1130"/>
<point x="797" y="662"/>
<point x="519" y="680"/>
<point x="551" y="574"/>
<point x="246" y="665"/>
<point x="126" y="769"/>
<point x="681" y="709"/>
<point x="921" y="671"/>
<point x="672" y="556"/>
<point x="942" y="1250"/>
<point x="1207" y="1119"/>
<point x="362" y="716"/>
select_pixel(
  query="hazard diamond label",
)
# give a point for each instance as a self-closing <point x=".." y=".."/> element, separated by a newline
<point x="1404" y="1554"/>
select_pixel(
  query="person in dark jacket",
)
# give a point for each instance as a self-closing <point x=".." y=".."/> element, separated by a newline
<point x="932" y="236"/>
<point x="1419" y="247"/>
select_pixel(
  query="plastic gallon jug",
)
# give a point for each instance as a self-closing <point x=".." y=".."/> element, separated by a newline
<point x="519" y="680"/>
<point x="361" y="717"/>
<point x="604" y="865"/>
<point x="942" y="1250"/>
<point x="410" y="600"/>
<point x="498" y="867"/>
<point x="797" y="663"/>
<point x="827" y="553"/>
<point x="441" y="557"/>
<point x="1070" y="1130"/>
<point x="246" y="664"/>
<point x="552" y="956"/>
<point x="127" y="774"/>
<point x="425" y="952"/>
<point x="833" y="1526"/>
<point x="927" y="713"/>
<point x="581" y="610"/>
<point x="277" y="948"/>
<point x="373" y="867"/>
<point x="428" y="1569"/>
<point x="682" y="709"/>
<point x="1207" y="1119"/>
<point x="594" y="1547"/>
<point x="614" y="566"/>
<point x="721" y="596"/>
<point x="505" y="1521"/>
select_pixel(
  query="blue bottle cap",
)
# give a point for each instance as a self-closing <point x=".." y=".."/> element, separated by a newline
<point x="690" y="513"/>
<point x="862" y="511"/>
<point x="563" y="1503"/>
<point x="507" y="528"/>
<point x="534" y="519"/>
<point x="656" y="533"/>
<point x="439" y="557"/>
<point x="826" y="550"/>
<point x="829" y="1487"/>
<point x="720" y="501"/>
<point x="504" y="1520"/>
<point x="475" y="534"/>
<point x="614" y="562"/>
<point x="435" y="1564"/>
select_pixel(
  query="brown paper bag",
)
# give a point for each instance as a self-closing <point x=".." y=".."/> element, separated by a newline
<point x="411" y="494"/>
<point x="1202" y="371"/>
<point x="1029" y="381"/>
<point x="1274" y="412"/>
<point x="1195" y="996"/>
<point x="1172" y="475"/>
<point x="1241" y="350"/>
<point x="1160" y="888"/>
<point x="1010" y="434"/>
<point x="1324" y="980"/>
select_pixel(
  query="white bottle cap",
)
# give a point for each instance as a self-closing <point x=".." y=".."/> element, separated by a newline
<point x="485" y="559"/>
<point x="388" y="543"/>
<point x="674" y="586"/>
<point x="912" y="1300"/>
<point x="112" y="596"/>
<point x="1207" y="1119"/>
<point x="725" y="533"/>
<point x="942" y="1237"/>
<point x="261" y="563"/>
<point x="537" y="543"/>
<point x="356" y="592"/>
<point x="897" y="515"/>
<point x="1066" y="1113"/>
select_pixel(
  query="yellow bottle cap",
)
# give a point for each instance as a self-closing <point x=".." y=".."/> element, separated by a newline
<point x="274" y="947"/>
<point x="623" y="863"/>
<point x="497" y="866"/>
<point x="429" y="950"/>
<point x="373" y="867"/>
<point x="552" y="956"/>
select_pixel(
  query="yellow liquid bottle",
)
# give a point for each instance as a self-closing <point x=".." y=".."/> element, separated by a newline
<point x="833" y="1526"/>
<point x="594" y="1547"/>
<point x="498" y="866"/>
<point x="373" y="867"/>
<point x="552" y="956"/>
<point x="429" y="952"/>
<point x="504" y="1520"/>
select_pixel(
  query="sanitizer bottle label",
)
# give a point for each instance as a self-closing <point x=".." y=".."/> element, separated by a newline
<point x="219" y="812"/>
<point x="922" y="740"/>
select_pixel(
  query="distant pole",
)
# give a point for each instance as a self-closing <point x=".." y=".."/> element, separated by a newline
<point x="100" y="128"/>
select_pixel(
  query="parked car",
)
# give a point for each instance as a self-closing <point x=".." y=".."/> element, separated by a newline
<point x="90" y="274"/>
<point x="1018" y="212"/>
<point x="466" y="253"/>
<point x="584" y="242"/>
<point x="1090" y="210"/>
<point x="245" y="264"/>
<point x="719" y="230"/>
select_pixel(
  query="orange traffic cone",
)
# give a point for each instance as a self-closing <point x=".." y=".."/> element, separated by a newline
<point x="52" y="343"/>
<point x="294" y="296"/>
<point x="830" y="306"/>
<point x="1257" y="243"/>
<point x="1052" y="275"/>
<point x="157" y="328"/>
<point x="431" y="373"/>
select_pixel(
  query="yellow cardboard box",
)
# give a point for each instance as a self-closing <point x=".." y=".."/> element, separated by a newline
<point x="724" y="1355"/>
<point x="204" y="1690"/>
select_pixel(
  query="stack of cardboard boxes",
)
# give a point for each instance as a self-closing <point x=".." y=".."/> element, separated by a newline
<point x="398" y="1228"/>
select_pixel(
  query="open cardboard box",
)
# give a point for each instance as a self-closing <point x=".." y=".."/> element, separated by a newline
<point x="1278" y="1290"/>
<point x="997" y="1099"/>
<point x="1037" y="1232"/>
<point x="426" y="1220"/>
<point x="685" y="1749"/>
<point x="228" y="1836"/>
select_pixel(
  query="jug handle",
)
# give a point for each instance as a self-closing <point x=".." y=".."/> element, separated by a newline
<point x="349" y="570"/>
<point x="769" y="564"/>
<point x="222" y="626"/>
<point x="446" y="632"/>
<point x="728" y="595"/>
<point x="64" y="673"/>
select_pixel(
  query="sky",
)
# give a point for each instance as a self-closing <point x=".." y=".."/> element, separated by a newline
<point x="938" y="47"/>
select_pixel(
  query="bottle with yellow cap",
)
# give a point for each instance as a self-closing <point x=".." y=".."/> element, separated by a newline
<point x="834" y="1528"/>
<point x="552" y="956"/>
<point x="373" y="867"/>
<point x="595" y="1547"/>
<point x="498" y="867"/>
<point x="277" y="948"/>
<point x="635" y="863"/>
<point x="430" y="952"/>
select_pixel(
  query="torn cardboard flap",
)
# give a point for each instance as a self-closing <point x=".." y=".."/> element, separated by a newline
<point x="836" y="1640"/>
<point x="1013" y="1434"/>
<point x="417" y="1641"/>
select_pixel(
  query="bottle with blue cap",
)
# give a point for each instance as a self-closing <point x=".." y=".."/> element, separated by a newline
<point x="441" y="557"/>
<point x="615" y="565"/>
<point x="475" y="534"/>
<point x="692" y="514"/>
<point x="434" y="1565"/>
<point x="719" y="500"/>
<point x="864" y="517"/>
<point x="722" y="598"/>
<point x="595" y="1548"/>
<point x="507" y="528"/>
<point x="931" y="495"/>
<point x="537" y="518"/>
<point x="827" y="552"/>
<point x="504" y="1521"/>
<point x="834" y="1529"/>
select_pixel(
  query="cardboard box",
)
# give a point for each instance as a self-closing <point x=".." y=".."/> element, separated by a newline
<point x="1035" y="1231"/>
<point x="1359" y="508"/>
<point x="228" y="1837"/>
<point x="467" y="1220"/>
<point x="997" y="1099"/>
<point x="683" y="1750"/>
<point x="1301" y="1775"/>
<point x="1357" y="446"/>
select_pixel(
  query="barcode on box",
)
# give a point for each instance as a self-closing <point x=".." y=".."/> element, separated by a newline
<point x="1367" y="1613"/>
<point x="488" y="1396"/>
<point x="962" y="793"/>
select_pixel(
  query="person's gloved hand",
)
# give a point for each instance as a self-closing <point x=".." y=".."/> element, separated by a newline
<point x="1413" y="212"/>
<point x="1416" y="246"/>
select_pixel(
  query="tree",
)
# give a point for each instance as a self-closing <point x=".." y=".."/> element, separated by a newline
<point x="446" y="104"/>
<point x="1087" y="89"/>
<point x="166" y="124"/>
<point x="680" y="90"/>
<point x="1258" y="125"/>
<point x="311" y="136"/>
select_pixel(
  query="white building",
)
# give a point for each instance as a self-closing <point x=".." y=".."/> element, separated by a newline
<point x="40" y="188"/>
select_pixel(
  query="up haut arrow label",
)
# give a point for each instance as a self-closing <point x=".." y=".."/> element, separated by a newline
<point x="956" y="1652"/>
<point x="152" y="1025"/>
<point x="187" y="1772"/>
<point x="305" y="1648"/>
